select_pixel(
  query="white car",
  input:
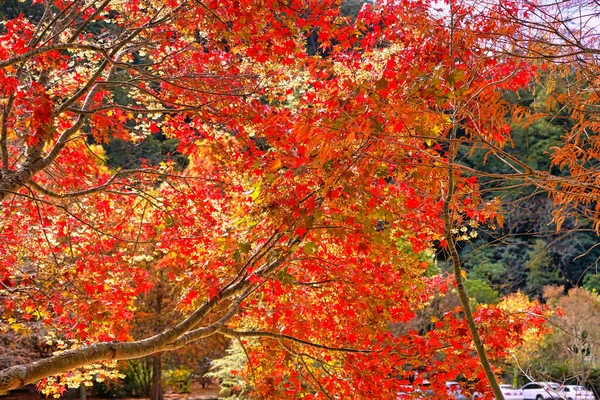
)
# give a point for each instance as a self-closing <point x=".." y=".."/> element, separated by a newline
<point x="543" y="391"/>
<point x="510" y="393"/>
<point x="575" y="392"/>
<point x="454" y="390"/>
<point x="423" y="391"/>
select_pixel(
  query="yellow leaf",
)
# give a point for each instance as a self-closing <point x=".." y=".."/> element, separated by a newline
<point x="256" y="191"/>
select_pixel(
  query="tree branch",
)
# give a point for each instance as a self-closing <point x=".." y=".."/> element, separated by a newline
<point x="41" y="50"/>
<point x="281" y="336"/>
<point x="456" y="265"/>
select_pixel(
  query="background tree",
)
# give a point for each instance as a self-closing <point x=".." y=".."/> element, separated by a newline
<point x="570" y="352"/>
<point x="562" y="38"/>
<point x="227" y="371"/>
<point x="519" y="358"/>
<point x="502" y="254"/>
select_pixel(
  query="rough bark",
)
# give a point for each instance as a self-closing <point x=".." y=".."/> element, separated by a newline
<point x="156" y="393"/>
<point x="20" y="375"/>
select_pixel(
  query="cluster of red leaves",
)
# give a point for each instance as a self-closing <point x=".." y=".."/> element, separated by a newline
<point x="333" y="165"/>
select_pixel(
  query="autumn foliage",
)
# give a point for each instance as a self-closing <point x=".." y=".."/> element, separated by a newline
<point x="317" y="187"/>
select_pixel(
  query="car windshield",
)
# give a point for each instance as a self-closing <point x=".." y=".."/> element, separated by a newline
<point x="553" y="386"/>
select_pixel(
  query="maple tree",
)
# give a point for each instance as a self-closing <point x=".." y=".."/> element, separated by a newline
<point x="317" y="185"/>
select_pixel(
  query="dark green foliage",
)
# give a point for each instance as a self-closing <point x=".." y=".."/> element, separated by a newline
<point x="527" y="253"/>
<point x="499" y="263"/>
<point x="351" y="8"/>
<point x="592" y="282"/>
<point x="482" y="292"/>
<point x="10" y="9"/>
<point x="151" y="151"/>
<point x="541" y="269"/>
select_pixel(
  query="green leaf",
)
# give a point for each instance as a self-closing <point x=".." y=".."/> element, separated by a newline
<point x="244" y="247"/>
<point x="455" y="76"/>
<point x="310" y="248"/>
<point x="284" y="277"/>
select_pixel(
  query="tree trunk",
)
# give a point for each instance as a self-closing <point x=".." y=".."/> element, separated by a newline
<point x="156" y="393"/>
<point x="457" y="268"/>
<point x="82" y="392"/>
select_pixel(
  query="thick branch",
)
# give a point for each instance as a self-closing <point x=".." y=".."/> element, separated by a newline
<point x="177" y="336"/>
<point x="4" y="132"/>
<point x="203" y="332"/>
<point x="17" y="376"/>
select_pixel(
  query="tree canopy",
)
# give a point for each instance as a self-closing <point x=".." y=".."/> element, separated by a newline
<point x="285" y="168"/>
